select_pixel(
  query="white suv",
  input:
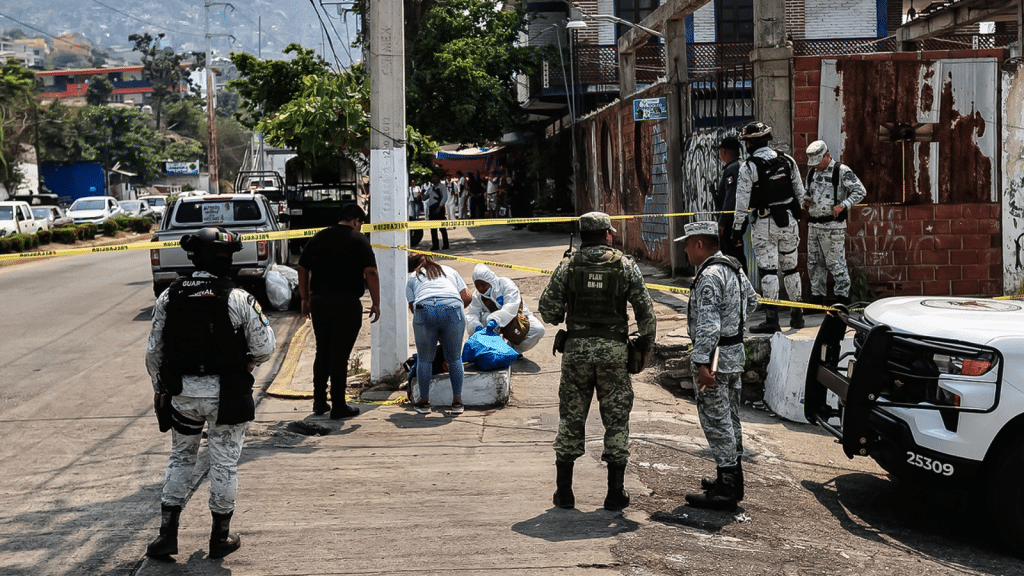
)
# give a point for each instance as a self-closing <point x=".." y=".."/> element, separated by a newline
<point x="934" y="392"/>
<point x="94" y="210"/>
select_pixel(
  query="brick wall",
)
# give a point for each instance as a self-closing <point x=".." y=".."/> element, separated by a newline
<point x="795" y="20"/>
<point x="840" y="19"/>
<point x="921" y="249"/>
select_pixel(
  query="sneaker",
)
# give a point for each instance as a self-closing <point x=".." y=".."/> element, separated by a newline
<point x="321" y="408"/>
<point x="423" y="407"/>
<point x="458" y="408"/>
<point x="344" y="411"/>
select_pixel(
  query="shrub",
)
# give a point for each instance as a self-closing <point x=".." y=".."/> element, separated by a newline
<point x="143" y="225"/>
<point x="86" y="231"/>
<point x="16" y="242"/>
<point x="45" y="236"/>
<point x="5" y="245"/>
<point x="110" y="226"/>
<point x="66" y="235"/>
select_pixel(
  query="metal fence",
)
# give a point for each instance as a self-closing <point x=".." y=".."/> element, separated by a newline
<point x="722" y="97"/>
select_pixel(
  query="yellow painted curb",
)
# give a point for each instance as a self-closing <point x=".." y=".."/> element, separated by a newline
<point x="279" y="388"/>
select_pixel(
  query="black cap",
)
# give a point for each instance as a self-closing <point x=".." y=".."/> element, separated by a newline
<point x="730" y="143"/>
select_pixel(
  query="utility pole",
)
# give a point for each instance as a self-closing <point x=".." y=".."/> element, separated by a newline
<point x="211" y="116"/>
<point x="389" y="183"/>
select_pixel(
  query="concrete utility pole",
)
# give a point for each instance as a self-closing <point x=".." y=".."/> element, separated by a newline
<point x="677" y="93"/>
<point x="773" y="80"/>
<point x="389" y="183"/>
<point x="211" y="116"/>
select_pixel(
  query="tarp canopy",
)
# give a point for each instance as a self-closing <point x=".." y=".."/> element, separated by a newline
<point x="466" y="160"/>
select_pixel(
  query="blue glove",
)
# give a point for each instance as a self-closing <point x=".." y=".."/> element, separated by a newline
<point x="478" y="328"/>
<point x="492" y="327"/>
<point x="500" y="300"/>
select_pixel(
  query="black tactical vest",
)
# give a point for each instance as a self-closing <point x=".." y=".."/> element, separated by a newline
<point x="198" y="337"/>
<point x="774" y="184"/>
<point x="597" y="291"/>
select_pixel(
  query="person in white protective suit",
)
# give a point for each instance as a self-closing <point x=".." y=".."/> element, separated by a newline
<point x="498" y="299"/>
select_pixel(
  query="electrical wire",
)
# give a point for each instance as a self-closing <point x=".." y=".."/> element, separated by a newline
<point x="344" y="43"/>
<point x="19" y="22"/>
<point x="127" y="15"/>
<point x="323" y="28"/>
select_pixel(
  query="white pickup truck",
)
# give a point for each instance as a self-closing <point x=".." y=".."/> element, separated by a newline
<point x="17" y="217"/>
<point x="239" y="213"/>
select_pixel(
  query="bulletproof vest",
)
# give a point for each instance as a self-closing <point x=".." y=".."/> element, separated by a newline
<point x="597" y="291"/>
<point x="735" y="266"/>
<point x="774" y="184"/>
<point x="835" y="188"/>
<point x="199" y="339"/>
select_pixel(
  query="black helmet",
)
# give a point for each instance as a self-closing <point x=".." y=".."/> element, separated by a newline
<point x="210" y="243"/>
<point x="756" y="130"/>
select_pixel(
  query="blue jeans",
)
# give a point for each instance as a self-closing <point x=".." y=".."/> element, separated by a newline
<point x="439" y="320"/>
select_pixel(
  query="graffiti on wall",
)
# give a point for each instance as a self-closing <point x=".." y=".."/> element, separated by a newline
<point x="1013" y="179"/>
<point x="702" y="169"/>
<point x="654" y="231"/>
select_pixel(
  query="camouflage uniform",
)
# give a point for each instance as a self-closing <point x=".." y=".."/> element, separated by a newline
<point x="719" y="301"/>
<point x="596" y="363"/>
<point x="199" y="402"/>
<point x="826" y="237"/>
<point x="775" y="247"/>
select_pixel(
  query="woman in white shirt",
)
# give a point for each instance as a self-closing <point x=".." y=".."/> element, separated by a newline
<point x="437" y="296"/>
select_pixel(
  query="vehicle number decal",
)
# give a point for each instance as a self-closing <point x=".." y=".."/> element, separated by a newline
<point x="929" y="464"/>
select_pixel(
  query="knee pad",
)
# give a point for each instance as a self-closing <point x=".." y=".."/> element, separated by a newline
<point x="762" y="272"/>
<point x="790" y="272"/>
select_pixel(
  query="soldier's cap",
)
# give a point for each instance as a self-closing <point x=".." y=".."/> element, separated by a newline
<point x="816" y="152"/>
<point x="701" y="228"/>
<point x="596" y="221"/>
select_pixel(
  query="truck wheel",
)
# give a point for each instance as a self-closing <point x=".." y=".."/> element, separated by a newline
<point x="1006" y="493"/>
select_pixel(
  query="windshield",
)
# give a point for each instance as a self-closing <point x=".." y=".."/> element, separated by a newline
<point x="218" y="212"/>
<point x="6" y="212"/>
<point x="88" y="205"/>
<point x="155" y="201"/>
<point x="130" y="205"/>
<point x="41" y="212"/>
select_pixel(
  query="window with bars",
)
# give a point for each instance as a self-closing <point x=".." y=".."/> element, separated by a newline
<point x="734" y="20"/>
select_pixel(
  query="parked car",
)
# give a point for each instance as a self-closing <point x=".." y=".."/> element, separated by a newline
<point x="238" y="213"/>
<point x="315" y="206"/>
<point x="137" y="208"/>
<point x="157" y="203"/>
<point x="94" y="210"/>
<point x="934" y="392"/>
<point x="54" y="216"/>
<point x="17" y="217"/>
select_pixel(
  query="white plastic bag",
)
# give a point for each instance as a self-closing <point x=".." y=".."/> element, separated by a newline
<point x="278" y="291"/>
<point x="290" y="274"/>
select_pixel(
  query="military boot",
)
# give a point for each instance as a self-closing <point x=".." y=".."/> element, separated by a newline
<point x="723" y="496"/>
<point x="564" y="498"/>
<point x="167" y="543"/>
<point x="709" y="483"/>
<point x="617" y="497"/>
<point x="770" y="324"/>
<point x="222" y="541"/>
<point x="796" y="318"/>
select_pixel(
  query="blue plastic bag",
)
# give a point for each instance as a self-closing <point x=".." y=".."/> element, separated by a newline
<point x="488" y="350"/>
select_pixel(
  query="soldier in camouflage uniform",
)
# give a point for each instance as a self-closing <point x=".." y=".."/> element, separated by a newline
<point x="832" y="190"/>
<point x="207" y="337"/>
<point x="720" y="299"/>
<point x="589" y="291"/>
<point x="769" y="183"/>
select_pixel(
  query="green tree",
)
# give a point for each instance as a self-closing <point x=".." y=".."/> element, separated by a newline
<point x="61" y="138"/>
<point x="18" y="113"/>
<point x="232" y="141"/>
<point x="462" y="86"/>
<point x="99" y="91"/>
<point x="167" y="71"/>
<point x="183" y="150"/>
<point x="267" y="85"/>
<point x="186" y="117"/>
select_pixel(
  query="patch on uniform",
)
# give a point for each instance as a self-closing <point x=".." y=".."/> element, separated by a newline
<point x="730" y="180"/>
<point x="259" y="311"/>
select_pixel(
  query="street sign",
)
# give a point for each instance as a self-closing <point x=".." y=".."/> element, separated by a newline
<point x="650" y="109"/>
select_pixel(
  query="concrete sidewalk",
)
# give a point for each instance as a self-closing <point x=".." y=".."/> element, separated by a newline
<point x="391" y="491"/>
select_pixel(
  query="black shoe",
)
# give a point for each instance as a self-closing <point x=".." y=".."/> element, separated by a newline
<point x="222" y="541"/>
<point x="796" y="318"/>
<point x="563" y="497"/>
<point x="723" y="496"/>
<point x="321" y="407"/>
<point x="445" y="247"/>
<point x="345" y="411"/>
<point x="617" y="497"/>
<point x="167" y="543"/>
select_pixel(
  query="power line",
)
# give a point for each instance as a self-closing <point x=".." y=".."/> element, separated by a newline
<point x="28" y="26"/>
<point x="323" y="27"/>
<point x="127" y="15"/>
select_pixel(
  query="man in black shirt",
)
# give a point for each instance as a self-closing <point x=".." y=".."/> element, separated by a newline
<point x="335" y="268"/>
<point x="725" y="198"/>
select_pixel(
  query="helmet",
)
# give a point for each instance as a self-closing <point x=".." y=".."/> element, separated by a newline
<point x="210" y="243"/>
<point x="756" y="130"/>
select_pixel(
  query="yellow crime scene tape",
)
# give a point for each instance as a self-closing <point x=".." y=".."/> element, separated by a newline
<point x="415" y="225"/>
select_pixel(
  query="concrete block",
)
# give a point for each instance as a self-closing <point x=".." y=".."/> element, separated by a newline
<point x="787" y="371"/>
<point x="479" y="389"/>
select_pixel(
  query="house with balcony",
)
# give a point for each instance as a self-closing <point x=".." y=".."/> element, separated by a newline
<point x="128" y="81"/>
<point x="30" y="52"/>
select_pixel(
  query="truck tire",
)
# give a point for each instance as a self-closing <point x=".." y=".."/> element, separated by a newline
<point x="1006" y="493"/>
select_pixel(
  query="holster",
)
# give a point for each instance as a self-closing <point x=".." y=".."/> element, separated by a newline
<point x="236" y="404"/>
<point x="560" y="338"/>
<point x="164" y="413"/>
<point x="780" y="214"/>
<point x="634" y="357"/>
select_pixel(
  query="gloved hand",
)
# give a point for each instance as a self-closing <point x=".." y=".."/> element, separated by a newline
<point x="492" y="327"/>
<point x="500" y="300"/>
<point x="478" y="328"/>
